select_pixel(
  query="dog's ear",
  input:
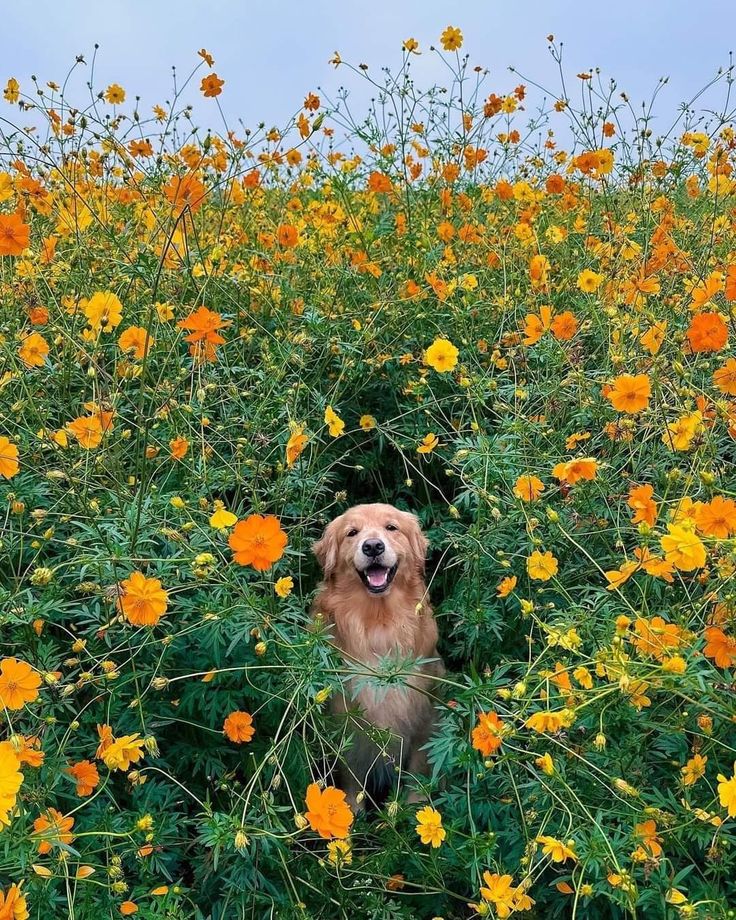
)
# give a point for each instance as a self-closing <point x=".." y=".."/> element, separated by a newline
<point x="325" y="549"/>
<point x="418" y="543"/>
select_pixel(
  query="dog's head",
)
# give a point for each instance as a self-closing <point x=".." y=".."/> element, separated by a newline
<point x="376" y="544"/>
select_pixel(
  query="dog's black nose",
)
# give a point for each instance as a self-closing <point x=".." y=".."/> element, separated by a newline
<point x="373" y="548"/>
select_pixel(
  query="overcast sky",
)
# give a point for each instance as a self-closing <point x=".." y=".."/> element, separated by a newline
<point x="272" y="53"/>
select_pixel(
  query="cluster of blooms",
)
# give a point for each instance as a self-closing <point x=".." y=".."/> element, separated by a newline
<point x="210" y="349"/>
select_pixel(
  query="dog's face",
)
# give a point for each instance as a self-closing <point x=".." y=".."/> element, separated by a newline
<point x="373" y="544"/>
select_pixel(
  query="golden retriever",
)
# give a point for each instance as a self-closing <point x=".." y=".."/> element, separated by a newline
<point x="374" y="598"/>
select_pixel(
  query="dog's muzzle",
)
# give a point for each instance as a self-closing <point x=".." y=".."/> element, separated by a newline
<point x="377" y="577"/>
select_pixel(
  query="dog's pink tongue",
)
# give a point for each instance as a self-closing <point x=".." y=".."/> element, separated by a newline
<point x="377" y="577"/>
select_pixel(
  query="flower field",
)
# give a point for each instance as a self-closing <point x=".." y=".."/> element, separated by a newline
<point x="517" y="323"/>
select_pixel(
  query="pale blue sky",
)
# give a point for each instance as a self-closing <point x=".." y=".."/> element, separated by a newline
<point x="271" y="53"/>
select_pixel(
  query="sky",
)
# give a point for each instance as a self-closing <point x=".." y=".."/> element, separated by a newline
<point x="271" y="54"/>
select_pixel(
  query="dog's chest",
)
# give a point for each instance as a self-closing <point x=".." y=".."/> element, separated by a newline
<point x="378" y="637"/>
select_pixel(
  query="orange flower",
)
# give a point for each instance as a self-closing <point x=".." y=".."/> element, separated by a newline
<point x="574" y="470"/>
<point x="654" y="565"/>
<point x="720" y="647"/>
<point x="707" y="332"/>
<point x="258" y="541"/>
<point x="641" y="502"/>
<point x="238" y="727"/>
<point x="528" y="488"/>
<point x="654" y="637"/>
<point x="211" y="85"/>
<point x="33" y="350"/>
<point x="535" y="326"/>
<point x="506" y="585"/>
<point x="85" y="774"/>
<point x="328" y="812"/>
<point x="19" y="683"/>
<point x="564" y="326"/>
<point x="287" y="235"/>
<point x="716" y="518"/>
<point x="39" y="316"/>
<point x="538" y="271"/>
<point x="104" y="733"/>
<point x="128" y="907"/>
<point x="295" y="445"/>
<point x="13" y="904"/>
<point x="724" y="378"/>
<point x="653" y="338"/>
<point x="9" y="465"/>
<point x="15" y="236"/>
<point x="53" y="828"/>
<point x="143" y="601"/>
<point x="87" y="429"/>
<point x="730" y="286"/>
<point x="630" y="393"/>
<point x="179" y="448"/>
<point x="185" y="193"/>
<point x="203" y="336"/>
<point x="30" y="753"/>
<point x="137" y="341"/>
<point x="487" y="733"/>
<point x="377" y="182"/>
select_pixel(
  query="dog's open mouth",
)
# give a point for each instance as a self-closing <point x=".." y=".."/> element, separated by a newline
<point x="378" y="577"/>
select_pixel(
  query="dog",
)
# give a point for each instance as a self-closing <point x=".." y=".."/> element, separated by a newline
<point x="374" y="599"/>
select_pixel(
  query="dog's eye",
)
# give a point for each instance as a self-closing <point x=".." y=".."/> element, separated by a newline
<point x="352" y="532"/>
<point x="391" y="527"/>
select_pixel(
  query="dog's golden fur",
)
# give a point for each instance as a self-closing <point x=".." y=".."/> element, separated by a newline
<point x="370" y="622"/>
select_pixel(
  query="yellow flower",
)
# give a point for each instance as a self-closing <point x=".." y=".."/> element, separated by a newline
<point x="222" y="518"/>
<point x="683" y="548"/>
<point x="506" y="898"/>
<point x="557" y="850"/>
<point x="334" y="423"/>
<point x="674" y="664"/>
<point x="114" y="94"/>
<point x="340" y="852"/>
<point x="681" y="433"/>
<point x="11" y="93"/>
<point x="694" y="769"/>
<point x="165" y="312"/>
<point x="123" y="752"/>
<point x="429" y="827"/>
<point x="452" y="39"/>
<point x="589" y="281"/>
<point x="727" y="792"/>
<point x="103" y="311"/>
<point x="441" y="356"/>
<point x="541" y="566"/>
<point x="545" y="764"/>
<point x="284" y="586"/>
<point x="367" y="422"/>
<point x="10" y="780"/>
<point x="546" y="721"/>
<point x="428" y="444"/>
